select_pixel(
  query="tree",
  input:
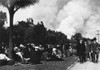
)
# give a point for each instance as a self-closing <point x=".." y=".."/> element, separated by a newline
<point x="2" y="18"/>
<point x="3" y="30"/>
<point x="13" y="6"/>
<point x="36" y="34"/>
<point x="20" y="29"/>
<point x="17" y="35"/>
<point x="77" y="36"/>
<point x="56" y="38"/>
<point x="51" y="37"/>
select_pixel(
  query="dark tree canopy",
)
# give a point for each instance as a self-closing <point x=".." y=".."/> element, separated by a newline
<point x="2" y="18"/>
<point x="13" y="6"/>
<point x="16" y="4"/>
<point x="36" y="34"/>
<point x="3" y="30"/>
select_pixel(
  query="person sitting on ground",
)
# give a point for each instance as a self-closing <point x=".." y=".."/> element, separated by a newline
<point x="17" y="56"/>
<point x="26" y="53"/>
<point x="4" y="60"/>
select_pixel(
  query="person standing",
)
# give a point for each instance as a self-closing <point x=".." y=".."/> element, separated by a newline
<point x="81" y="51"/>
<point x="88" y="49"/>
<point x="94" y="50"/>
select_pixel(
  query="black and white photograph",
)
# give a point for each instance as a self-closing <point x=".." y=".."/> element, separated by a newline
<point x="49" y="34"/>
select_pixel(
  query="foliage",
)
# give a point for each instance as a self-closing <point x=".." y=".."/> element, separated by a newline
<point x="16" y="4"/>
<point x="36" y="34"/>
<point x="2" y="18"/>
<point x="3" y="31"/>
<point x="77" y="37"/>
<point x="55" y="38"/>
<point x="19" y="31"/>
<point x="13" y="6"/>
<point x="27" y="32"/>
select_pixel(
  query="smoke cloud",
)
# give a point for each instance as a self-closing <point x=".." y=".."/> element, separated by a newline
<point x="81" y="16"/>
<point x="67" y="16"/>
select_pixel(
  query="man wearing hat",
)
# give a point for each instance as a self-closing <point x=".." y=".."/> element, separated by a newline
<point x="81" y="50"/>
<point x="94" y="50"/>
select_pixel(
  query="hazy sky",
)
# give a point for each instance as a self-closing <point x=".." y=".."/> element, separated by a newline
<point x="67" y="16"/>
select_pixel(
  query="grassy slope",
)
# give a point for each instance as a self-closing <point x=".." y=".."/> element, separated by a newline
<point x="49" y="65"/>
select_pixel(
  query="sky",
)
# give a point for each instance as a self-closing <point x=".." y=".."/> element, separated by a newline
<point x="67" y="16"/>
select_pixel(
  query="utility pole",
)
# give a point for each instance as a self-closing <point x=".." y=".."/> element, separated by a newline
<point x="98" y="33"/>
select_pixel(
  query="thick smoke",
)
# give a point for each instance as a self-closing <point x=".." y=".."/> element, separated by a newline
<point x="80" y="16"/>
<point x="67" y="16"/>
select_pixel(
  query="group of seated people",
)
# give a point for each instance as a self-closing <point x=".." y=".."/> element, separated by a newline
<point x="23" y="54"/>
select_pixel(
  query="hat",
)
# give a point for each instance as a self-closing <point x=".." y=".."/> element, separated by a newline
<point x="94" y="39"/>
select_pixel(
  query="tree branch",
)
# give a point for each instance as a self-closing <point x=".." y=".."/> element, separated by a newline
<point x="16" y="9"/>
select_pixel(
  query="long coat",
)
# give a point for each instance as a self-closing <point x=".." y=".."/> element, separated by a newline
<point x="81" y="49"/>
<point x="88" y="48"/>
<point x="94" y="47"/>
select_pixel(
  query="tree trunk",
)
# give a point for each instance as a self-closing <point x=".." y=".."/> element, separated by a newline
<point x="11" y="14"/>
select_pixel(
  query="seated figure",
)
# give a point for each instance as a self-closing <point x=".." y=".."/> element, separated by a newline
<point x="4" y="60"/>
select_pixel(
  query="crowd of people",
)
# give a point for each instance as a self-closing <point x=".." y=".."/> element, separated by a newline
<point x="22" y="54"/>
<point x="31" y="53"/>
<point x="88" y="50"/>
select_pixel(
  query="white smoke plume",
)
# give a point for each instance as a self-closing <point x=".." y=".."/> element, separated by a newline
<point x="80" y="16"/>
<point x="67" y="16"/>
